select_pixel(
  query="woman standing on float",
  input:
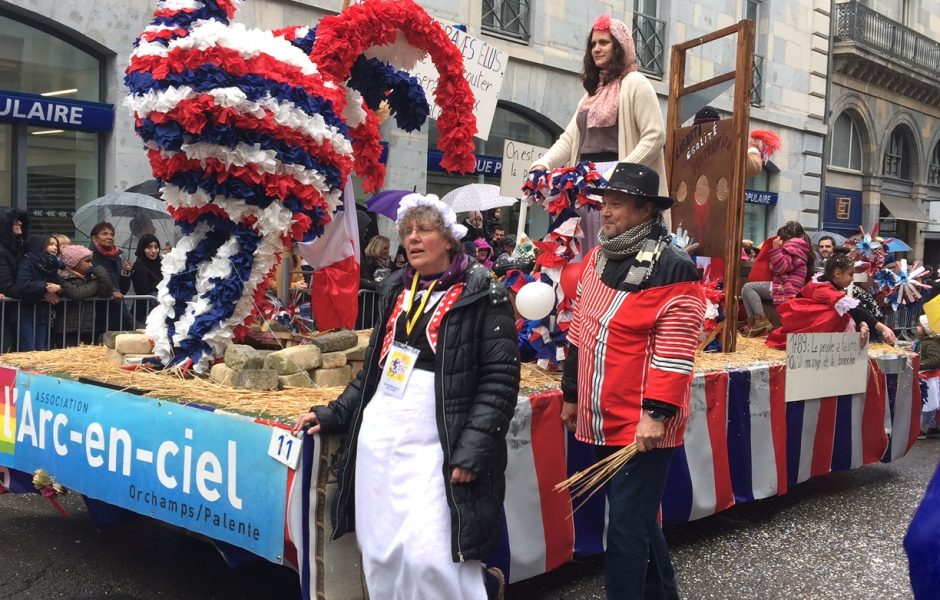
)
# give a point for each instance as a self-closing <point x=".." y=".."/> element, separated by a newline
<point x="618" y="120"/>
<point x="422" y="478"/>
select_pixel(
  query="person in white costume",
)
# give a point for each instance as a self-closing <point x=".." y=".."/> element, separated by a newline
<point x="422" y="479"/>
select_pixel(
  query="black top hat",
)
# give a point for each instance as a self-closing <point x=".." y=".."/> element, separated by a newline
<point x="637" y="180"/>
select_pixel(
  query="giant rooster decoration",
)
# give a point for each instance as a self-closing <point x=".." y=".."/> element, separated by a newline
<point x="254" y="134"/>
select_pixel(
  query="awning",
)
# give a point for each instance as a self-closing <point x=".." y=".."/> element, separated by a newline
<point x="904" y="209"/>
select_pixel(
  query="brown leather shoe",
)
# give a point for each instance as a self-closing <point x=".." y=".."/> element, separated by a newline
<point x="761" y="327"/>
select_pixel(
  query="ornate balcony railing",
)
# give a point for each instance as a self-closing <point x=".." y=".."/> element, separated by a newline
<point x="857" y="23"/>
<point x="649" y="35"/>
<point x="757" y="81"/>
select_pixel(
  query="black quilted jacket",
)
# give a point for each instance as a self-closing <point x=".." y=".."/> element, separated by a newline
<point x="477" y="383"/>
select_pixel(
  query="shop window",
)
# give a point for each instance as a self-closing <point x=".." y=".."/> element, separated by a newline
<point x="61" y="175"/>
<point x="509" y="18"/>
<point x="35" y="62"/>
<point x="846" y="151"/>
<point x="934" y="175"/>
<point x="897" y="160"/>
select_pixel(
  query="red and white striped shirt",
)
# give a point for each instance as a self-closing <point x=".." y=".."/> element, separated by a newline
<point x="631" y="346"/>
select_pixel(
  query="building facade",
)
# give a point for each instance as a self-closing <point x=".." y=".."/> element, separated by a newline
<point x="884" y="149"/>
<point x="77" y="51"/>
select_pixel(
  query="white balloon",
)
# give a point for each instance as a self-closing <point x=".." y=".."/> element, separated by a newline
<point x="535" y="300"/>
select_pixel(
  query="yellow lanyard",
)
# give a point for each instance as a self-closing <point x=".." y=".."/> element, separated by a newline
<point x="411" y="322"/>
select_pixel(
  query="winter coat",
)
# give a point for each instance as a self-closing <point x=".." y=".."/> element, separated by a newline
<point x="477" y="376"/>
<point x="929" y="350"/>
<point x="36" y="269"/>
<point x="11" y="251"/>
<point x="78" y="312"/>
<point x="113" y="265"/>
<point x="788" y="263"/>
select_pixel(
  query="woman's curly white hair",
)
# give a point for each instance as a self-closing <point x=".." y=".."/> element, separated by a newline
<point x="448" y="216"/>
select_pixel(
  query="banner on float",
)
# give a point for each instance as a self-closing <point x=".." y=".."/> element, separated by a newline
<point x="822" y="365"/>
<point x="202" y="471"/>
<point x="517" y="158"/>
<point x="483" y="66"/>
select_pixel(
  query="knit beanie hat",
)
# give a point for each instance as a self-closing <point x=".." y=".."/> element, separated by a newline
<point x="73" y="254"/>
<point x="619" y="30"/>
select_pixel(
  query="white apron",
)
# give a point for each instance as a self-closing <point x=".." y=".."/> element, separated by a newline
<point x="403" y="523"/>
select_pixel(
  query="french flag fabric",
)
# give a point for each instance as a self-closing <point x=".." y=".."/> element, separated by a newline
<point x="301" y="543"/>
<point x="335" y="259"/>
<point x="743" y="442"/>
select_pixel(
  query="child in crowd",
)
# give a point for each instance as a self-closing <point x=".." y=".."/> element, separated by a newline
<point x="484" y="253"/>
<point x="824" y="307"/>
<point x="791" y="262"/>
<point x="38" y="280"/>
<point x="62" y="239"/>
<point x="928" y="346"/>
<point x="82" y="284"/>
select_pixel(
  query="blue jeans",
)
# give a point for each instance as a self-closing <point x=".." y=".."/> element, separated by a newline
<point x="34" y="327"/>
<point x="637" y="563"/>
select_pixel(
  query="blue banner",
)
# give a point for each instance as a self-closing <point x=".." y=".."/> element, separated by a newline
<point x="842" y="210"/>
<point x="759" y="197"/>
<point x="206" y="472"/>
<point x="55" y="113"/>
<point x="488" y="166"/>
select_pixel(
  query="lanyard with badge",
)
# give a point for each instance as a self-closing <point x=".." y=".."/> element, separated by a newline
<point x="402" y="357"/>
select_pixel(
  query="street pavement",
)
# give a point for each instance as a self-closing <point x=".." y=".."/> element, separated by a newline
<point x="837" y="536"/>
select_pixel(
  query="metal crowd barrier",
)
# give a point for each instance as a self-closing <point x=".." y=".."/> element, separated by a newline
<point x="904" y="320"/>
<point x="69" y="322"/>
<point x="368" y="309"/>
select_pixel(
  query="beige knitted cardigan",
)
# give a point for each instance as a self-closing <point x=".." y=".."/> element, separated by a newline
<point x="641" y="138"/>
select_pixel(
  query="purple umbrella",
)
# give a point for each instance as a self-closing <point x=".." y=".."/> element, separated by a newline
<point x="386" y="202"/>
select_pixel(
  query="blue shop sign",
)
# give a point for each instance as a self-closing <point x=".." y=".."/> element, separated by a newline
<point x="208" y="473"/>
<point x="760" y="197"/>
<point x="55" y="112"/>
<point x="488" y="166"/>
<point x="842" y="209"/>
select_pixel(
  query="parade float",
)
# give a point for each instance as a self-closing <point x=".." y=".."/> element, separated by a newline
<point x="254" y="134"/>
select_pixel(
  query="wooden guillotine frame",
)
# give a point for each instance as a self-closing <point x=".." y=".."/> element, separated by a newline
<point x="742" y="77"/>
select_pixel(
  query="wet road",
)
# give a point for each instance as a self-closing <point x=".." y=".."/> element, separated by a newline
<point x="837" y="536"/>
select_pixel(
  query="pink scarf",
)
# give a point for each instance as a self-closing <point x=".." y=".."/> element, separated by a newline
<point x="604" y="104"/>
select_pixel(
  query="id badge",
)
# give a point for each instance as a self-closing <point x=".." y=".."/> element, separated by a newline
<point x="398" y="368"/>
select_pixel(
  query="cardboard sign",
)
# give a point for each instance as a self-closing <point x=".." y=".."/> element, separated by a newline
<point x="517" y="158"/>
<point x="484" y="67"/>
<point x="701" y="183"/>
<point x="821" y="365"/>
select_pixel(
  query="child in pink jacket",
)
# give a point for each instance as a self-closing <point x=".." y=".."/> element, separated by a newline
<point x="791" y="262"/>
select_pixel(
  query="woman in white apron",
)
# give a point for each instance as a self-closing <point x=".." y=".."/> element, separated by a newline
<point x="422" y="480"/>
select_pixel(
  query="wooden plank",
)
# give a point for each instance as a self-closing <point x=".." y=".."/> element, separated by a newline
<point x="676" y="82"/>
<point x="729" y="76"/>
<point x="710" y="37"/>
<point x="741" y="116"/>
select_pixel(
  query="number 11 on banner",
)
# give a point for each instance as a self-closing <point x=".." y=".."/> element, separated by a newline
<point x="284" y="447"/>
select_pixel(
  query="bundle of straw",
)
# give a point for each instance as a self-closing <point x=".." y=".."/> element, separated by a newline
<point x="591" y="480"/>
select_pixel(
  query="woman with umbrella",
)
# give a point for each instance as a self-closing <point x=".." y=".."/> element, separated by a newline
<point x="114" y="315"/>
<point x="145" y="274"/>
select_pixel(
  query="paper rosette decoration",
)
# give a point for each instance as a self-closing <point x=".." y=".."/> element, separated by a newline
<point x="907" y="283"/>
<point x="564" y="189"/>
<point x="254" y="134"/>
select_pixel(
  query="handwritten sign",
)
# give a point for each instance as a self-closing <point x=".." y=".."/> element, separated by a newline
<point x="517" y="158"/>
<point x="820" y="365"/>
<point x="484" y="67"/>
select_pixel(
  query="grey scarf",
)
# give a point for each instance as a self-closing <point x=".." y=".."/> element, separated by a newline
<point x="646" y="241"/>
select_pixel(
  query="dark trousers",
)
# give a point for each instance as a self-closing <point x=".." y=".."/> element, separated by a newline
<point x="637" y="563"/>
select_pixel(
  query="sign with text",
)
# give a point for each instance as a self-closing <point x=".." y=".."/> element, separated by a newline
<point x="484" y="67"/>
<point x="821" y="365"/>
<point x="206" y="472"/>
<point x="40" y="111"/>
<point x="517" y="158"/>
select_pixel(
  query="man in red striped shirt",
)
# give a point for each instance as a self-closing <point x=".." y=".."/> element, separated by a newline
<point x="628" y="375"/>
